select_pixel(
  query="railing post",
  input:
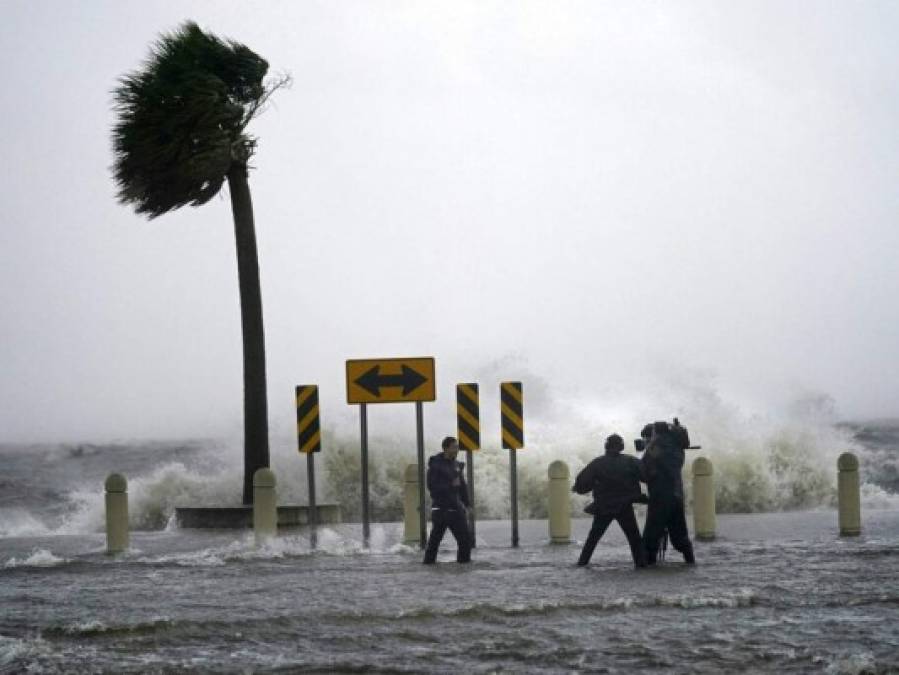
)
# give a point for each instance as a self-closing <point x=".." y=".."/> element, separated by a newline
<point x="848" y="497"/>
<point x="265" y="505"/>
<point x="703" y="499"/>
<point x="411" y="523"/>
<point x="117" y="535"/>
<point x="559" y="503"/>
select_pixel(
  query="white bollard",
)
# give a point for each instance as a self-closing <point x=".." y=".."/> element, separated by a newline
<point x="117" y="536"/>
<point x="848" y="496"/>
<point x="559" y="503"/>
<point x="265" y="505"/>
<point x="703" y="499"/>
<point x="410" y="505"/>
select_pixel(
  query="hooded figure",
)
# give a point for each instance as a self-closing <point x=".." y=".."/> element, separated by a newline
<point x="615" y="482"/>
<point x="662" y="463"/>
<point x="449" y="500"/>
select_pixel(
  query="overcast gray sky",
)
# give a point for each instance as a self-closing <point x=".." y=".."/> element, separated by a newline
<point x="604" y="196"/>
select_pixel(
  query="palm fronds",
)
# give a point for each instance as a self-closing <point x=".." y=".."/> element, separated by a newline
<point x="181" y="119"/>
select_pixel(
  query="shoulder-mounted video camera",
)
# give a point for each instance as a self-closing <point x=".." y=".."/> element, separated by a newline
<point x="674" y="431"/>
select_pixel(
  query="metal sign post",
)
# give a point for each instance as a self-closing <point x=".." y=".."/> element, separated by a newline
<point x="409" y="380"/>
<point x="313" y="507"/>
<point x="469" y="476"/>
<point x="366" y="518"/>
<point x="513" y="490"/>
<point x="309" y="441"/>
<point x="468" y="429"/>
<point x="512" y="414"/>
<point x="420" y="441"/>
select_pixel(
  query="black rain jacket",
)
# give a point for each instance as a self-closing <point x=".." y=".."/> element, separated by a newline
<point x="663" y="462"/>
<point x="614" y="479"/>
<point x="442" y="474"/>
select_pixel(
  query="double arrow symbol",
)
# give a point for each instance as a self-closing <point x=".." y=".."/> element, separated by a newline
<point x="372" y="381"/>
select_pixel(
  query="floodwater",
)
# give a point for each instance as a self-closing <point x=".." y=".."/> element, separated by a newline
<point x="774" y="593"/>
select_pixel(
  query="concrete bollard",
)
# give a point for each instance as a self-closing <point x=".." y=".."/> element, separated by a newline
<point x="559" y="503"/>
<point x="848" y="496"/>
<point x="265" y="505"/>
<point x="117" y="536"/>
<point x="703" y="499"/>
<point x="410" y="505"/>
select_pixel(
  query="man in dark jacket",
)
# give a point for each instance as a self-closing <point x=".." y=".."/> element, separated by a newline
<point x="662" y="463"/>
<point x="449" y="500"/>
<point x="615" y="481"/>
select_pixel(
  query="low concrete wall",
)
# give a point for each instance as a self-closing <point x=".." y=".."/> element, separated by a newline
<point x="239" y="517"/>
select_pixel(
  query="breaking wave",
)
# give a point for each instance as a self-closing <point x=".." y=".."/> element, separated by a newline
<point x="781" y="461"/>
<point x="19" y="522"/>
<point x="38" y="558"/>
<point x="762" y="464"/>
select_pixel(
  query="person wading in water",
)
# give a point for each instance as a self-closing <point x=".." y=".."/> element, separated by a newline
<point x="449" y="501"/>
<point x="614" y="479"/>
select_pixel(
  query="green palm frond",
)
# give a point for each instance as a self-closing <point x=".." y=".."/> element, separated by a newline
<point x="181" y="119"/>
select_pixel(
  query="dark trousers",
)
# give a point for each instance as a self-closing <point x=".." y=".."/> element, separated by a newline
<point x="455" y="521"/>
<point x="628" y="523"/>
<point x="666" y="513"/>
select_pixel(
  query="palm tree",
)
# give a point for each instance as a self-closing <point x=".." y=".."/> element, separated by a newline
<point x="178" y="136"/>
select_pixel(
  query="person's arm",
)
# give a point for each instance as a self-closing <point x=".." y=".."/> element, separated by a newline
<point x="585" y="479"/>
<point x="431" y="479"/>
<point x="647" y="465"/>
<point x="638" y="476"/>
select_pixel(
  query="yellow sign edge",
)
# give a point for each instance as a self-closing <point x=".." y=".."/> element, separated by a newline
<point x="432" y="359"/>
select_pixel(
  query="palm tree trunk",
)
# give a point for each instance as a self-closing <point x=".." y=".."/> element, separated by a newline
<point x="255" y="406"/>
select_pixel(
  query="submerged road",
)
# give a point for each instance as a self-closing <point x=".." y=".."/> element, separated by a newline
<point x="774" y="593"/>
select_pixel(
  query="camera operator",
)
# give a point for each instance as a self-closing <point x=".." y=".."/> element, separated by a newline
<point x="662" y="463"/>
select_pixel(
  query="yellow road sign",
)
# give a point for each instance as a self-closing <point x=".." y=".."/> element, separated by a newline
<point x="309" y="435"/>
<point x="468" y="416"/>
<point x="512" y="410"/>
<point x="390" y="380"/>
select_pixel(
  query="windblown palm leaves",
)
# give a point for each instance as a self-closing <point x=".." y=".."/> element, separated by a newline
<point x="181" y="120"/>
<point x="178" y="137"/>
